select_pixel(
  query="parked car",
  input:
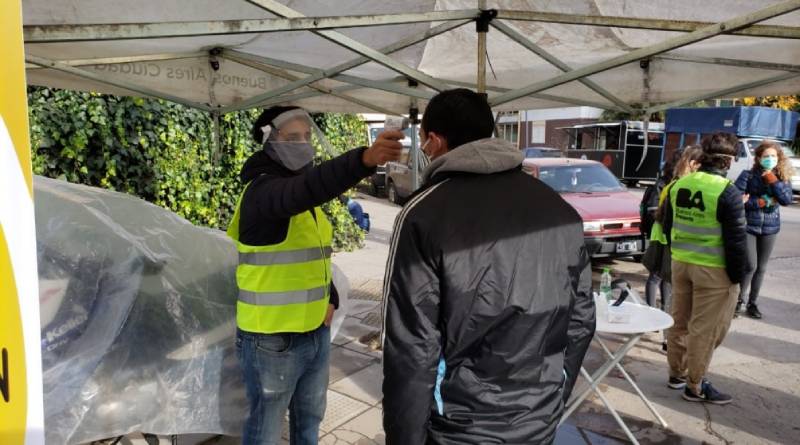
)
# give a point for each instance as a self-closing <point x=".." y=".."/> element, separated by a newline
<point x="377" y="180"/>
<point x="610" y="213"/>
<point x="399" y="179"/>
<point x="542" y="152"/>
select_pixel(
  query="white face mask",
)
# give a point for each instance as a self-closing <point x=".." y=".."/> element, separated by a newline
<point x="292" y="155"/>
<point x="427" y="157"/>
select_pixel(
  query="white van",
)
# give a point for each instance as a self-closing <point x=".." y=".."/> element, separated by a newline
<point x="747" y="148"/>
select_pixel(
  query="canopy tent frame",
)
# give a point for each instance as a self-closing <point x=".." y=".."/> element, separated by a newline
<point x="279" y="9"/>
<point x="551" y="59"/>
<point x="652" y="50"/>
<point x="330" y="72"/>
<point x="129" y="31"/>
<point x="723" y="92"/>
<point x="731" y="62"/>
<point x="290" y="19"/>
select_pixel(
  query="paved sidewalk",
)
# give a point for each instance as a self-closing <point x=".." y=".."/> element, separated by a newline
<point x="757" y="363"/>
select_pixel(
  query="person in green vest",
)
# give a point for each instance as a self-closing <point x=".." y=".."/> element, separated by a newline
<point x="286" y="298"/>
<point x="705" y="226"/>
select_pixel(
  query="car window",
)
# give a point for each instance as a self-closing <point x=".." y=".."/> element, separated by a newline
<point x="580" y="179"/>
<point x="742" y="153"/>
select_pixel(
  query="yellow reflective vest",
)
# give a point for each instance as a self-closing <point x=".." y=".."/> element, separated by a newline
<point x="696" y="232"/>
<point x="285" y="287"/>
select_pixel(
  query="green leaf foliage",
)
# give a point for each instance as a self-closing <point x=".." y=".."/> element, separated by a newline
<point x="164" y="152"/>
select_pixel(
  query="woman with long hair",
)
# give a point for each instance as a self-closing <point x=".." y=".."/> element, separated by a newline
<point x="682" y="163"/>
<point x="766" y="187"/>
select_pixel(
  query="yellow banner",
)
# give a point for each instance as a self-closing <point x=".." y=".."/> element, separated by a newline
<point x="21" y="415"/>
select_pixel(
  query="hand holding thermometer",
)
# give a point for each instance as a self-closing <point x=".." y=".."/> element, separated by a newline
<point x="395" y="123"/>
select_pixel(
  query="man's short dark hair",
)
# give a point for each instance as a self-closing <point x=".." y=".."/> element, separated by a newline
<point x="265" y="118"/>
<point x="460" y="116"/>
<point x="717" y="148"/>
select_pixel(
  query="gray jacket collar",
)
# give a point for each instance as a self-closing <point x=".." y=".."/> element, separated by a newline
<point x="484" y="156"/>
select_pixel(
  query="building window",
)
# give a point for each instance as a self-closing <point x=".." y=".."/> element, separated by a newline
<point x="508" y="132"/>
<point x="538" y="132"/>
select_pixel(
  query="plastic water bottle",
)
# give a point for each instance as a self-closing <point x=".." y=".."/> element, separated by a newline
<point x="605" y="285"/>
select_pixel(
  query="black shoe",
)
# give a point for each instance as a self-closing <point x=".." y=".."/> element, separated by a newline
<point x="738" y="307"/>
<point x="664" y="346"/>
<point x="676" y="383"/>
<point x="707" y="394"/>
<point x="753" y="312"/>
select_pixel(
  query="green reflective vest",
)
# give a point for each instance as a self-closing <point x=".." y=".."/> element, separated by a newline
<point x="696" y="232"/>
<point x="285" y="287"/>
<point x="657" y="231"/>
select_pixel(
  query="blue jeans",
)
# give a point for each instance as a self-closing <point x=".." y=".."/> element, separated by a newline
<point x="284" y="371"/>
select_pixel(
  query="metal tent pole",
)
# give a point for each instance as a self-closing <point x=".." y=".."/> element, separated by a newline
<point x="676" y="42"/>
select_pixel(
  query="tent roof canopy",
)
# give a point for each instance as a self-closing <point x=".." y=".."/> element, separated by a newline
<point x="356" y="56"/>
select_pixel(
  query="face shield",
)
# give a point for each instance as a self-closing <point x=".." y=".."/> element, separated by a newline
<point x="291" y="139"/>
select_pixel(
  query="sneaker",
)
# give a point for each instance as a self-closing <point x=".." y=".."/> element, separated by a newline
<point x="707" y="394"/>
<point x="752" y="311"/>
<point x="738" y="307"/>
<point x="676" y="383"/>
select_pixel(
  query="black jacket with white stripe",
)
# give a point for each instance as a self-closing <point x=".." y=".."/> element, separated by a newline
<point x="488" y="274"/>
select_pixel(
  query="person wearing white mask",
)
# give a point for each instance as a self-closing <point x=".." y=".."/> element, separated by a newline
<point x="766" y="187"/>
<point x="286" y="297"/>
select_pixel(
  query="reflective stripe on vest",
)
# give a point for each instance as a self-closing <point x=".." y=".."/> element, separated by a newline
<point x="280" y="298"/>
<point x="286" y="257"/>
<point x="696" y="232"/>
<point x="285" y="287"/>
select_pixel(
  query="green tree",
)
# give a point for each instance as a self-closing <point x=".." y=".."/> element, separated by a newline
<point x="159" y="151"/>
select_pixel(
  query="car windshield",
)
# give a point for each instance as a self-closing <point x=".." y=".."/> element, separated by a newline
<point x="542" y="153"/>
<point x="580" y="179"/>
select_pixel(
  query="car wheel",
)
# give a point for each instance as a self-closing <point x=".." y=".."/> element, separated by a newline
<point x="391" y="193"/>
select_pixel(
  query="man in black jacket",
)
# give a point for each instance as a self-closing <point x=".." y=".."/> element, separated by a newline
<point x="286" y="297"/>
<point x="705" y="226"/>
<point x="488" y="305"/>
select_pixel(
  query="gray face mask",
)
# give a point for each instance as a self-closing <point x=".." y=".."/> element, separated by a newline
<point x="292" y="155"/>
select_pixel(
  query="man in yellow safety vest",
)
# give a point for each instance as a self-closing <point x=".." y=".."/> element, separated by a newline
<point x="286" y="300"/>
<point x="704" y="221"/>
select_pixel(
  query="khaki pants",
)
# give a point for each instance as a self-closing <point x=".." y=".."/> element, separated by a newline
<point x="703" y="301"/>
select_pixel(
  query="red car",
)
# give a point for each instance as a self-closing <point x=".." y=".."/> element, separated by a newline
<point x="610" y="213"/>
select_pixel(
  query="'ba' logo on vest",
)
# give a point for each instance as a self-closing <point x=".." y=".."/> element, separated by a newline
<point x="686" y="200"/>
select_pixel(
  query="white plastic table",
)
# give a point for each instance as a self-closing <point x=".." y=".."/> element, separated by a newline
<point x="643" y="319"/>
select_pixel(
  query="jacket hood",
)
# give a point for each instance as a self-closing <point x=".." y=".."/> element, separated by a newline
<point x="484" y="156"/>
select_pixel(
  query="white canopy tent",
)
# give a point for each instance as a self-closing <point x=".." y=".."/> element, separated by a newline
<point x="366" y="56"/>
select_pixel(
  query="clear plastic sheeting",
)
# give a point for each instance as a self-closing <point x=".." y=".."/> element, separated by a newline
<point x="137" y="316"/>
